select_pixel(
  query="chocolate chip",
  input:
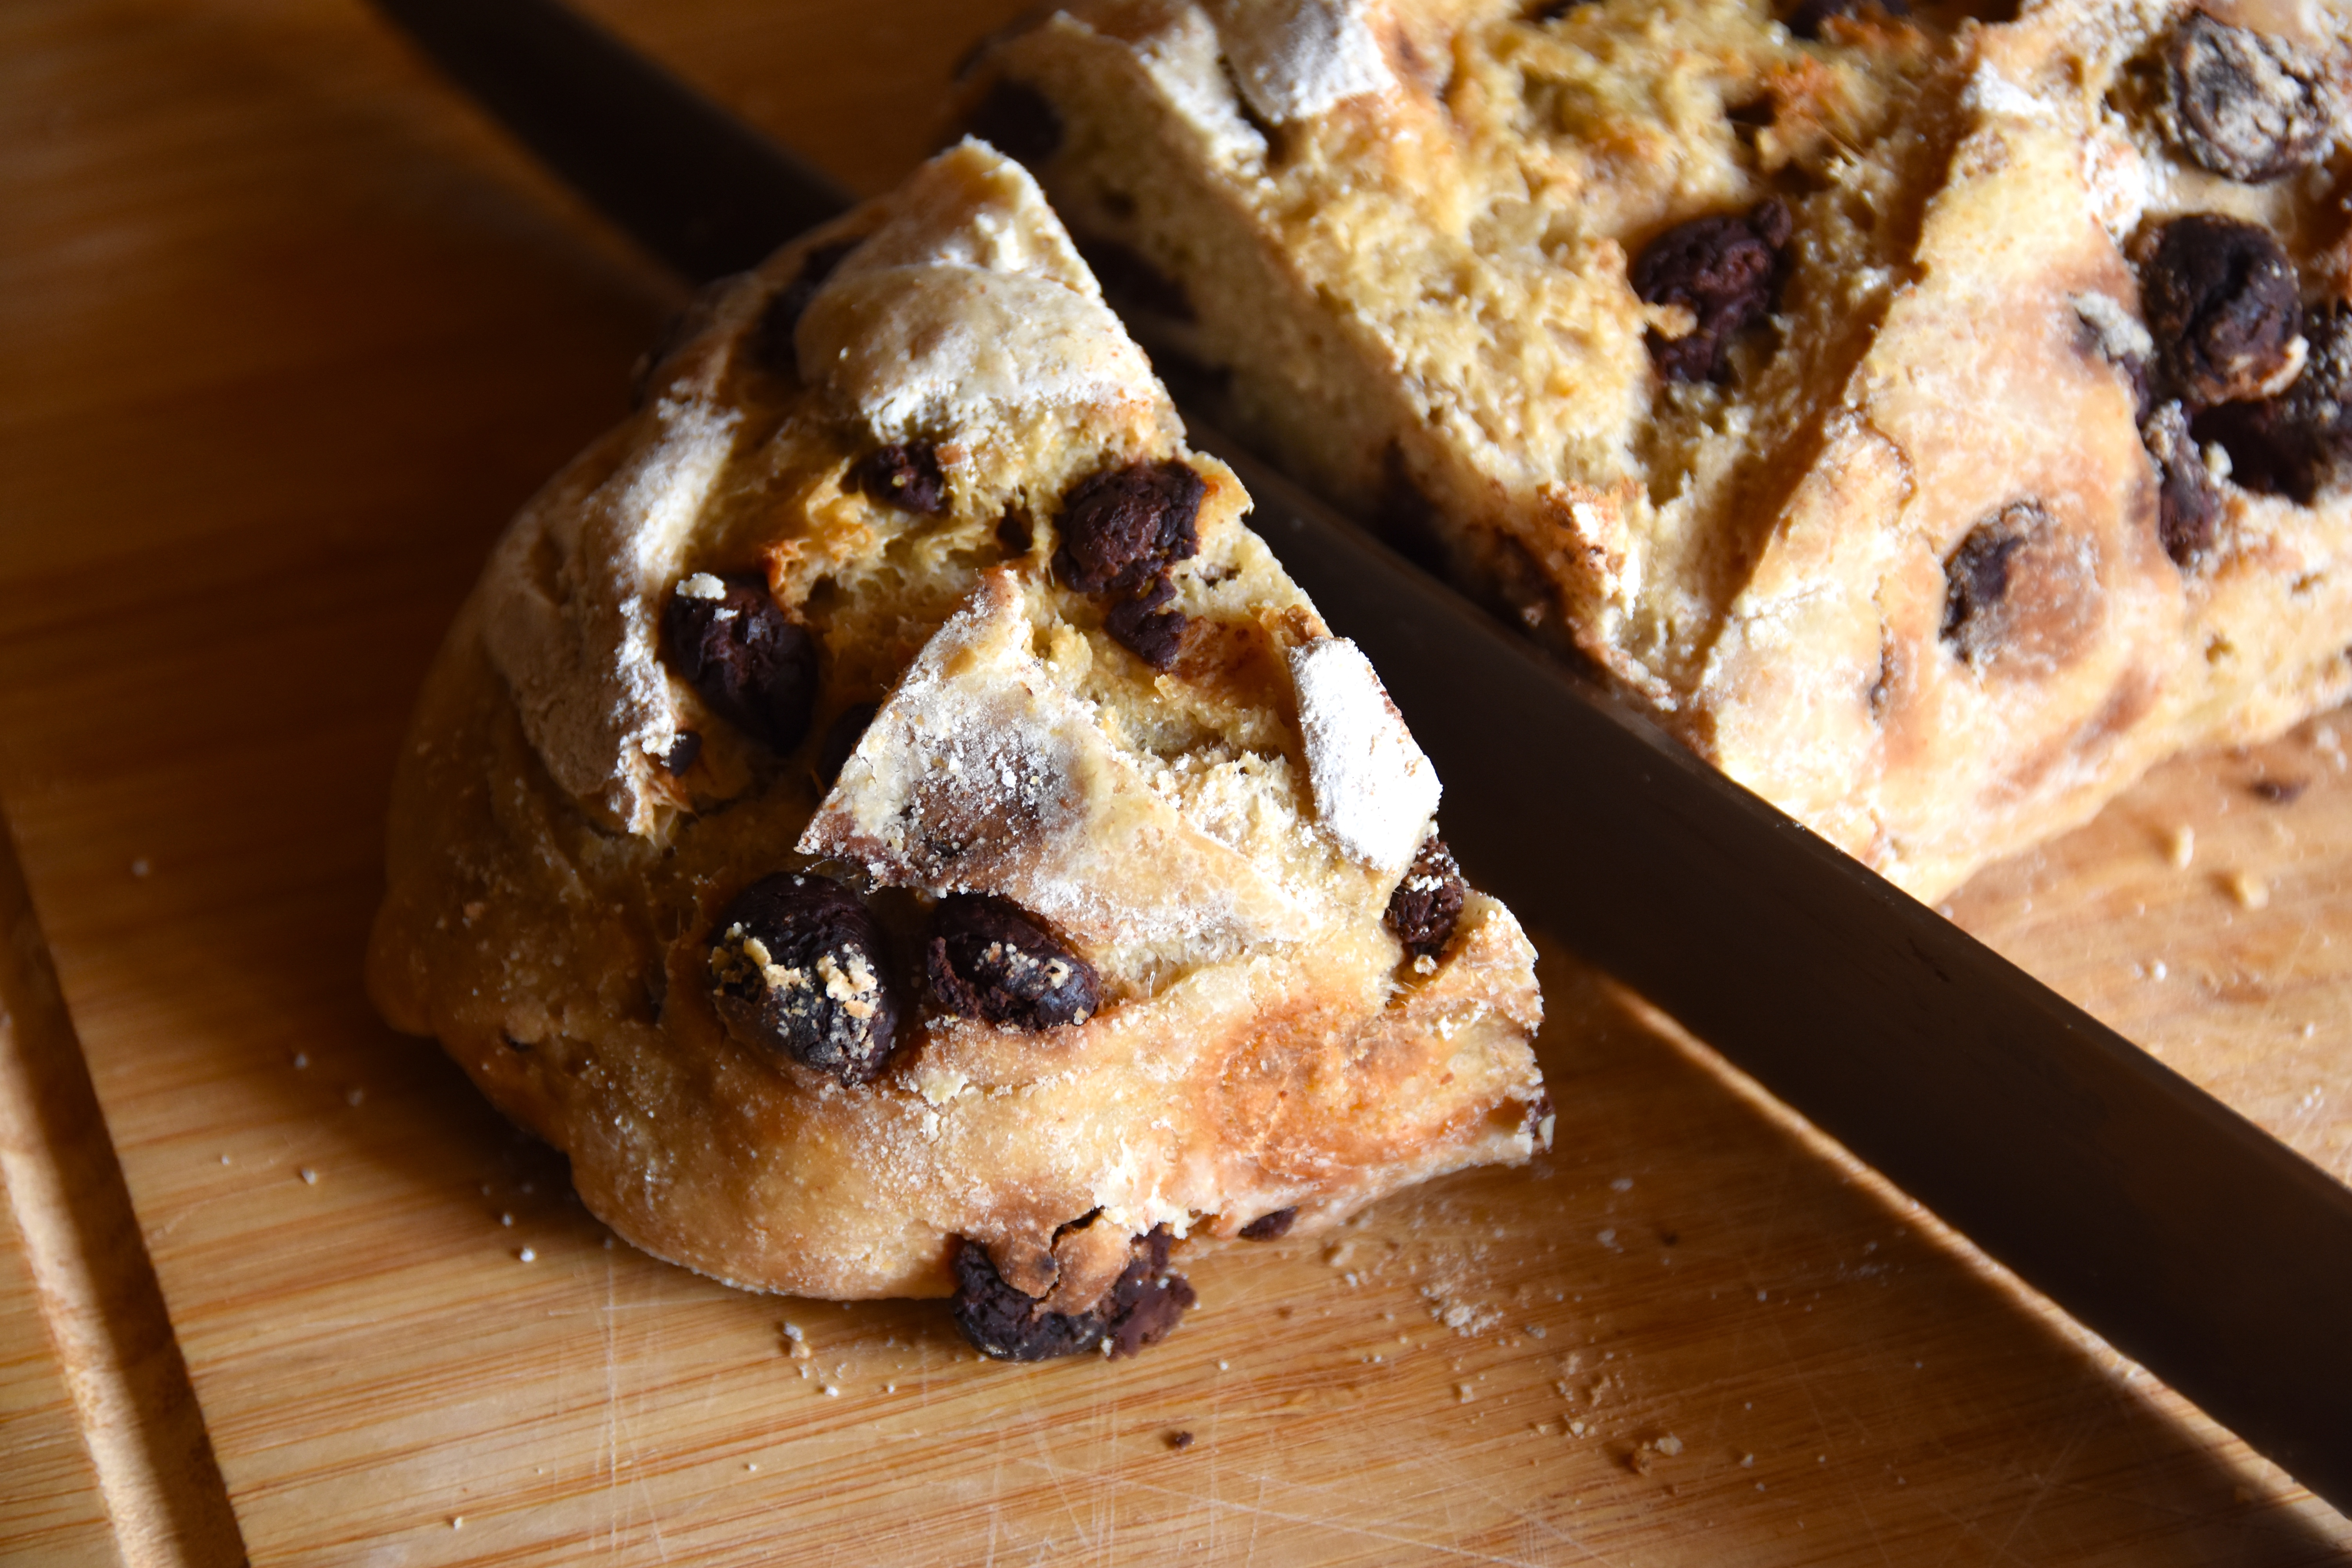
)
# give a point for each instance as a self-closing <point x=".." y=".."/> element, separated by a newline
<point x="2021" y="592"/>
<point x="1149" y="626"/>
<point x="1427" y="903"/>
<point x="771" y="335"/>
<point x="1806" y="20"/>
<point x="2188" y="498"/>
<point x="1270" y="1226"/>
<point x="2296" y="443"/>
<point x="2221" y="306"/>
<point x="797" y="967"/>
<point x="1140" y="1309"/>
<point x="1018" y="121"/>
<point x="905" y="476"/>
<point x="753" y="665"/>
<point x="1726" y="271"/>
<point x="1180" y="1441"/>
<point x="841" y="738"/>
<point x="682" y="752"/>
<point x="1125" y="526"/>
<point x="1131" y="281"/>
<point x="2278" y="791"/>
<point x="2248" y="106"/>
<point x="989" y="960"/>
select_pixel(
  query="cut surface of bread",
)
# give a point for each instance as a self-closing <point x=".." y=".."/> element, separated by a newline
<point x="1799" y="368"/>
<point x="885" y="817"/>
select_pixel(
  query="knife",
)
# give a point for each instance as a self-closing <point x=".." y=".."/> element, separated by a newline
<point x="2187" y="1238"/>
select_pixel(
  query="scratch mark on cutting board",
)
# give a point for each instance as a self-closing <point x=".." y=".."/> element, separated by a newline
<point x="2046" y="1480"/>
<point x="1470" y="1482"/>
<point x="1257" y="1513"/>
<point x="1039" y="1421"/>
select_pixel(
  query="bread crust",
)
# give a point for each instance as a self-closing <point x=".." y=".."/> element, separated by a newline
<point x="559" y="866"/>
<point x="1423" y="296"/>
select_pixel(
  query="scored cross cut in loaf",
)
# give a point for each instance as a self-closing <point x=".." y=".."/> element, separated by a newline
<point x="889" y="822"/>
<point x="1818" y="370"/>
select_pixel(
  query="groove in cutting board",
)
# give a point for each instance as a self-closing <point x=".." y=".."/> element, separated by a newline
<point x="95" y="1283"/>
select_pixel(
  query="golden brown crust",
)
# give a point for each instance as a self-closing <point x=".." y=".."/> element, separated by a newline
<point x="554" y="890"/>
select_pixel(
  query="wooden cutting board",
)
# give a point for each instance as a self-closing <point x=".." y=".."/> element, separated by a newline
<point x="292" y="334"/>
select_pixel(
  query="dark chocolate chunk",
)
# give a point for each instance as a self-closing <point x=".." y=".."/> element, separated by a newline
<point x="1270" y="1226"/>
<point x="1726" y="271"/>
<point x="798" y="967"/>
<point x="752" y="664"/>
<point x="1131" y="281"/>
<point x="2278" y="791"/>
<point x="682" y="752"/>
<point x="1125" y="526"/>
<point x="841" y="738"/>
<point x="2221" y="306"/>
<point x="2298" y="442"/>
<point x="2188" y="497"/>
<point x="1428" y="902"/>
<point x="1018" y="121"/>
<point x="989" y="960"/>
<point x="2246" y="105"/>
<point x="905" y="476"/>
<point x="1806" y="19"/>
<point x="2021" y="593"/>
<point x="1149" y="626"/>
<point x="1140" y="1309"/>
<point x="771" y="335"/>
<point x="1180" y="1441"/>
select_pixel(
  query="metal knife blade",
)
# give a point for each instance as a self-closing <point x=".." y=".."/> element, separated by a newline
<point x="2160" y="1219"/>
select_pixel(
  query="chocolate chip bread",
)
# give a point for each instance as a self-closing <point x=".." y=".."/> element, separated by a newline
<point x="884" y="816"/>
<point x="1936" y="419"/>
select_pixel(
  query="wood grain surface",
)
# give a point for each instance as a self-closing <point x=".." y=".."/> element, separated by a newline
<point x="292" y="334"/>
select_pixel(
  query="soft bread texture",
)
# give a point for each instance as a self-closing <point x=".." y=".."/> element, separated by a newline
<point x="1419" y="292"/>
<point x="571" y="818"/>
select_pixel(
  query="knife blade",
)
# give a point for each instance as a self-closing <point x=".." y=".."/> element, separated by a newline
<point x="2187" y="1238"/>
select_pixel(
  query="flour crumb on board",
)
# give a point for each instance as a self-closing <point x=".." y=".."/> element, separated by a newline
<point x="2180" y="847"/>
<point x="1448" y="1306"/>
<point x="1643" y="1456"/>
<point x="2250" y="891"/>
